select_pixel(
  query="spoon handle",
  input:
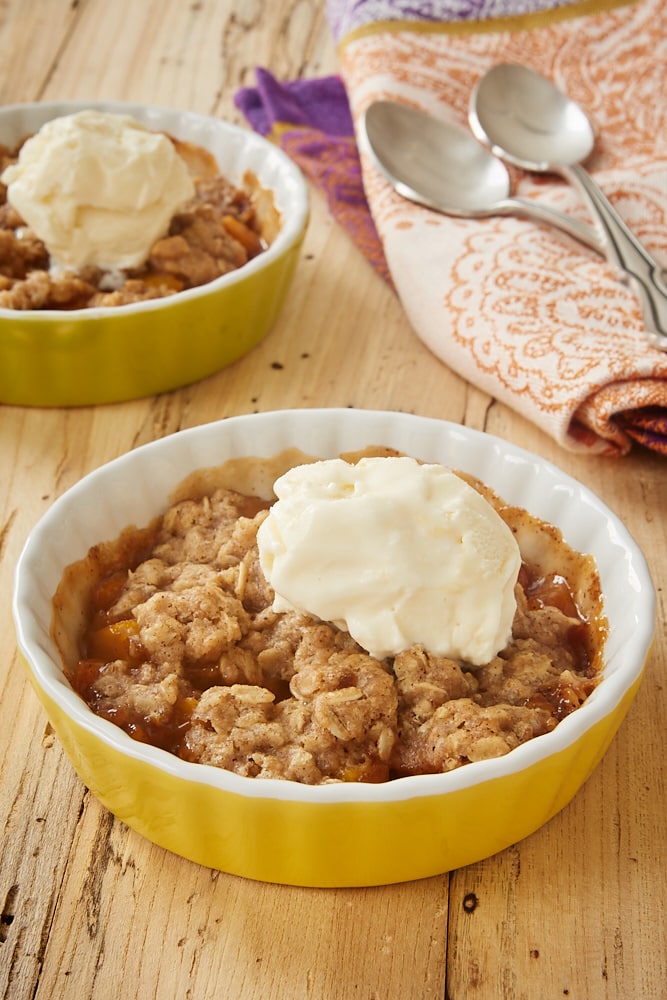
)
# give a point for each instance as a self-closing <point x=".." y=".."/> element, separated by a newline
<point x="645" y="275"/>
<point x="551" y="217"/>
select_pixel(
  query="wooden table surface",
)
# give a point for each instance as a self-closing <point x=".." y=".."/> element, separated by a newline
<point x="89" y="909"/>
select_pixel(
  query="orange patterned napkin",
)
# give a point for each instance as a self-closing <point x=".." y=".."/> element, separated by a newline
<point x="520" y="310"/>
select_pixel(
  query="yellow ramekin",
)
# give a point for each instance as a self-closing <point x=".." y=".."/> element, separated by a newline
<point x="105" y="355"/>
<point x="336" y="834"/>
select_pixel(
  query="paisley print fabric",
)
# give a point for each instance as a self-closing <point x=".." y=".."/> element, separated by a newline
<point x="520" y="310"/>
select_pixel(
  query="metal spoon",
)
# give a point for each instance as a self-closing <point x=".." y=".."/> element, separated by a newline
<point x="523" y="117"/>
<point x="442" y="167"/>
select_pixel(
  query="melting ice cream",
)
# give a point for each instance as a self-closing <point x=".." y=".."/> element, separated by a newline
<point x="394" y="551"/>
<point x="98" y="188"/>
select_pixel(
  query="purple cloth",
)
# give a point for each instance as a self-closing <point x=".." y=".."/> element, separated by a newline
<point x="321" y="103"/>
<point x="311" y="121"/>
<point x="345" y="16"/>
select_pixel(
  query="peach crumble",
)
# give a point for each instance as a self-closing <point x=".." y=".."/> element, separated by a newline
<point x="219" y="229"/>
<point x="170" y="633"/>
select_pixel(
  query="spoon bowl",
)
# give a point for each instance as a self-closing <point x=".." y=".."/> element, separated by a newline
<point x="436" y="163"/>
<point x="523" y="118"/>
<point x="440" y="166"/>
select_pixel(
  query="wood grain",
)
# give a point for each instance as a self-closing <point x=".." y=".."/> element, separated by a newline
<point x="88" y="909"/>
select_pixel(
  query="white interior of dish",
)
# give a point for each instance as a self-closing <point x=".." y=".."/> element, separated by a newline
<point x="135" y="487"/>
<point x="236" y="150"/>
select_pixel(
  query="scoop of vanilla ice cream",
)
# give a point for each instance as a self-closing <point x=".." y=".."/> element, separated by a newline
<point x="395" y="552"/>
<point x="98" y="188"/>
